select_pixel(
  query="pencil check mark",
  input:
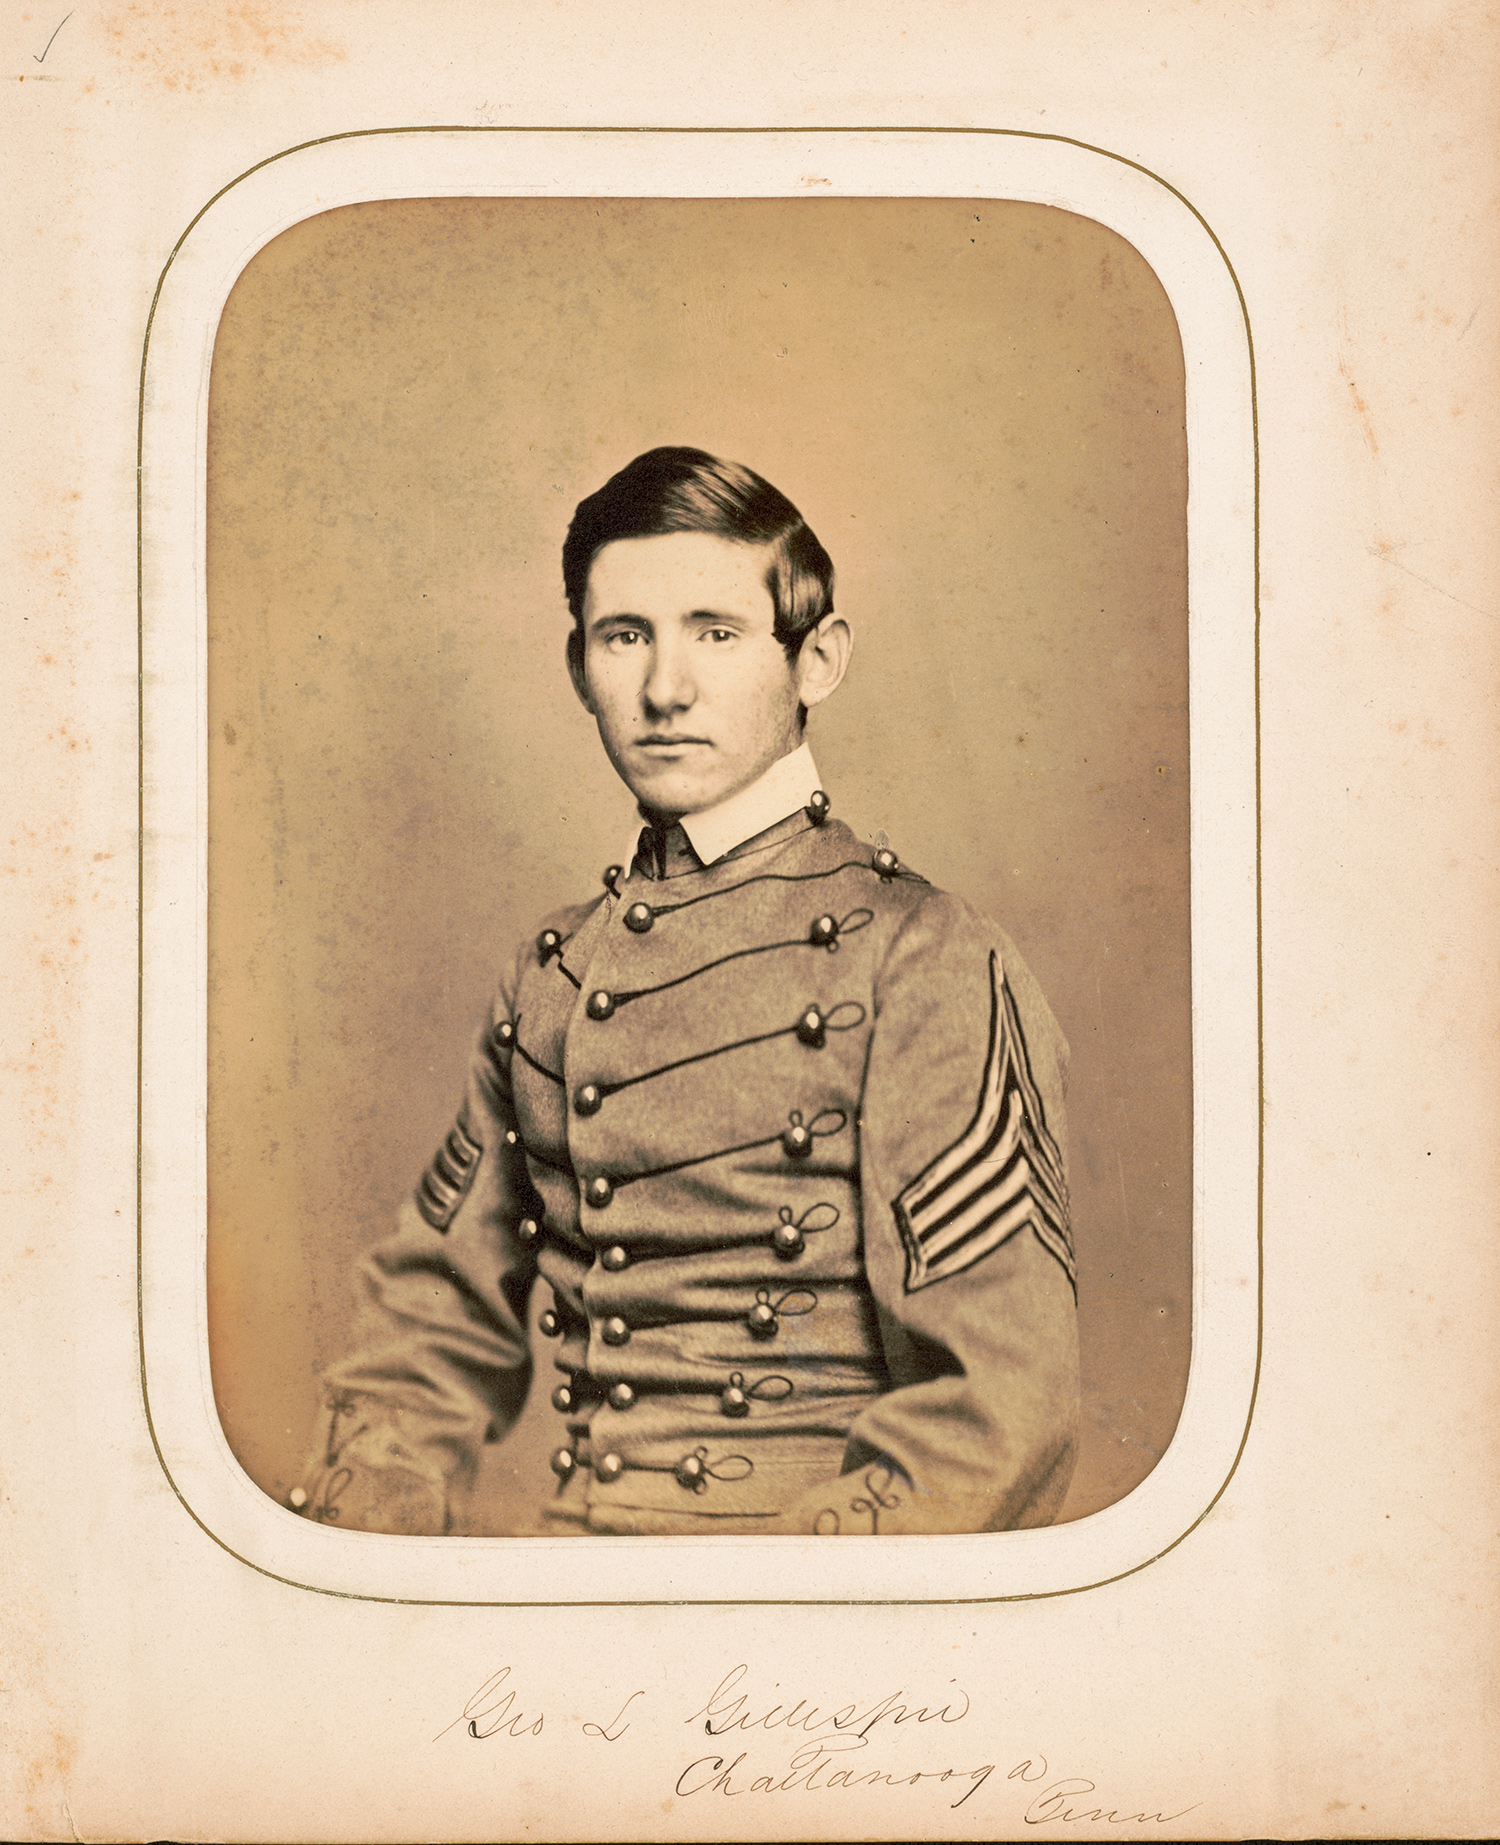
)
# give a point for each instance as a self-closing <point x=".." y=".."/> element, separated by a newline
<point x="38" y="57"/>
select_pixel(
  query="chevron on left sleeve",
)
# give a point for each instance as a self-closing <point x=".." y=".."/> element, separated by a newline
<point x="1004" y="1171"/>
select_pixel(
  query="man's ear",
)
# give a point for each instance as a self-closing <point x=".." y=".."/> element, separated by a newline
<point x="823" y="660"/>
<point x="575" y="669"/>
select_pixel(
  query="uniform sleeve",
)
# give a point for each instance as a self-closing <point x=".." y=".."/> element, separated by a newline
<point x="968" y="1249"/>
<point x="441" y="1360"/>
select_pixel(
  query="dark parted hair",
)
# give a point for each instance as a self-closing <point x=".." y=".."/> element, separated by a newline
<point x="688" y="490"/>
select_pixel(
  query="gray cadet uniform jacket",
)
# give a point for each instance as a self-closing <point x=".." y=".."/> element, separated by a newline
<point x="784" y="1137"/>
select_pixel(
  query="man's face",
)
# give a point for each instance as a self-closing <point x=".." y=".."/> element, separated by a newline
<point x="693" y="694"/>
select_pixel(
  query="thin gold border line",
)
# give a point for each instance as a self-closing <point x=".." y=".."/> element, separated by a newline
<point x="1023" y="134"/>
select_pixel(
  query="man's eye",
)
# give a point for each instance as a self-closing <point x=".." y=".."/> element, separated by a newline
<point x="721" y="634"/>
<point x="623" y="637"/>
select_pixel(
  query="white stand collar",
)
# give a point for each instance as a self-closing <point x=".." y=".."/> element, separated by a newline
<point x="788" y="784"/>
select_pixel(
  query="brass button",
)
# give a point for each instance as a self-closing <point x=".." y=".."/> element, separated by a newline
<point x="886" y="863"/>
<point x="762" y="1321"/>
<point x="621" y="1396"/>
<point x="599" y="1191"/>
<point x="612" y="876"/>
<point x="733" y="1401"/>
<point x="588" y="1098"/>
<point x="549" y="1325"/>
<point x="599" y="1005"/>
<point x="615" y="1258"/>
<point x="786" y="1240"/>
<point x="817" y="808"/>
<point x="614" y="1331"/>
<point x="639" y="918"/>
<point x="812" y="1028"/>
<point x="505" y="1034"/>
<point x="824" y="931"/>
<point x="797" y="1142"/>
<point x="562" y="1399"/>
<point x="548" y="943"/>
<point x="528" y="1230"/>
<point x="563" y="1463"/>
<point x="608" y="1467"/>
<point x="689" y="1470"/>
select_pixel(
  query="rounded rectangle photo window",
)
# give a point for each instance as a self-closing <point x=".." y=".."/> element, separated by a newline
<point x="707" y="878"/>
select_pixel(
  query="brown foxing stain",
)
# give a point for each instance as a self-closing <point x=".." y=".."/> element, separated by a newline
<point x="1361" y="409"/>
<point x="47" y="1776"/>
<point x="188" y="47"/>
<point x="1439" y="314"/>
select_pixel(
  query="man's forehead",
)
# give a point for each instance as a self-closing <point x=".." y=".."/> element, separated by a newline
<point x="675" y="572"/>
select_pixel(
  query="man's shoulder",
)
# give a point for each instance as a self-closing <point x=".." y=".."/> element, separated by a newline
<point x="909" y="905"/>
<point x="565" y="921"/>
<point x="539" y="943"/>
<point x="939" y="920"/>
<point x="953" y="949"/>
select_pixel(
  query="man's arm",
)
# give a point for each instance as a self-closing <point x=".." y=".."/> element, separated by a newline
<point x="441" y="1360"/>
<point x="967" y="1245"/>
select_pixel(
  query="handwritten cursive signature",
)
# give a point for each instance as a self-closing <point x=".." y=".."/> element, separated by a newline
<point x="824" y="1745"/>
<point x="494" y="1708"/>
<point x="1052" y="1803"/>
<point x="729" y="1709"/>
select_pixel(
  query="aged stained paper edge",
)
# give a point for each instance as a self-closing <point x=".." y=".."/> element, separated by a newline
<point x="1362" y="1746"/>
<point x="1207" y="772"/>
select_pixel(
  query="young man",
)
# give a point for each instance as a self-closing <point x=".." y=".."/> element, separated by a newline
<point x="779" y="1125"/>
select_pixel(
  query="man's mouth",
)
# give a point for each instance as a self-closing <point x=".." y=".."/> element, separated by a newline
<point x="659" y="742"/>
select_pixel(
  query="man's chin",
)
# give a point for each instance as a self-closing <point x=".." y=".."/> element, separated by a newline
<point x="672" y="796"/>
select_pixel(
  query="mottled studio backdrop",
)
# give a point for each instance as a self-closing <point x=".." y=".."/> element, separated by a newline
<point x="978" y="408"/>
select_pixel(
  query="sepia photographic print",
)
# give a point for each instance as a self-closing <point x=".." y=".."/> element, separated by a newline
<point x="729" y="1072"/>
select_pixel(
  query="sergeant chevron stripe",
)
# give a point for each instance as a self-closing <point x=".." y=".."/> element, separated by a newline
<point x="445" y="1184"/>
<point x="1005" y="1171"/>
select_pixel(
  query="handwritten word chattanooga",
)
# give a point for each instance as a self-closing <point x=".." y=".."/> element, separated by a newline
<point x="712" y="1773"/>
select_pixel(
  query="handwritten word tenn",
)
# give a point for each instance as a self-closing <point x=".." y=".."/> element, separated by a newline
<point x="1053" y="1804"/>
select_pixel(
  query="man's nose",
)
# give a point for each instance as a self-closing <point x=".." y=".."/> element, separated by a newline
<point x="669" y="684"/>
